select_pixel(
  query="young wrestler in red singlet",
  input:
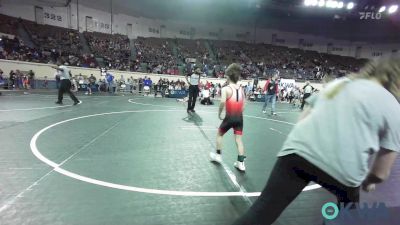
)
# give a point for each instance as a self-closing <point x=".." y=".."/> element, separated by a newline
<point x="232" y="98"/>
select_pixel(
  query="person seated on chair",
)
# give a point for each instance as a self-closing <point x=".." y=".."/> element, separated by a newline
<point x="147" y="85"/>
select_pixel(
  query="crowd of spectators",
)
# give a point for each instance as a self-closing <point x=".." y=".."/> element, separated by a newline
<point x="51" y="44"/>
<point x="59" y="44"/>
<point x="17" y="79"/>
<point x="263" y="60"/>
<point x="115" y="49"/>
<point x="194" y="49"/>
<point x="156" y="54"/>
<point x="166" y="56"/>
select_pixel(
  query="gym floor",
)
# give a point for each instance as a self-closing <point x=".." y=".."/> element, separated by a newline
<point x="129" y="159"/>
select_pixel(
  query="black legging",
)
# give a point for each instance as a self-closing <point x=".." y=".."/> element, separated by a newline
<point x="288" y="178"/>
<point x="65" y="87"/>
<point x="305" y="96"/>
<point x="193" y="93"/>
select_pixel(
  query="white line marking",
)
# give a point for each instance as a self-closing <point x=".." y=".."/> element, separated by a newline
<point x="138" y="103"/>
<point x="20" y="195"/>
<point x="21" y="168"/>
<point x="41" y="108"/>
<point x="194" y="128"/>
<point x="287" y="112"/>
<point x="58" y="169"/>
<point x="277" y="131"/>
<point x="256" y="117"/>
<point x="52" y="107"/>
<point x="263" y="118"/>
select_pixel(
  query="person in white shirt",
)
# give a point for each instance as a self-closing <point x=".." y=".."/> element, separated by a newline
<point x="350" y="122"/>
<point x="65" y="84"/>
<point x="206" y="97"/>
<point x="193" y="89"/>
<point x="308" y="89"/>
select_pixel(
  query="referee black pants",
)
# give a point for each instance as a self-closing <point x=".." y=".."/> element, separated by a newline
<point x="193" y="93"/>
<point x="65" y="87"/>
<point x="305" y="96"/>
<point x="290" y="175"/>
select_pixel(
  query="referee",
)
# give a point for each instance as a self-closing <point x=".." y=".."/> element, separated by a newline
<point x="65" y="85"/>
<point x="308" y="89"/>
<point x="193" y="88"/>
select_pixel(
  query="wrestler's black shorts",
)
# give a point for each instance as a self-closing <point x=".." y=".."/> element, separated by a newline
<point x="235" y="122"/>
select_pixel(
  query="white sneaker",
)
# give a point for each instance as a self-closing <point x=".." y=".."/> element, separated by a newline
<point x="264" y="111"/>
<point x="214" y="157"/>
<point x="240" y="166"/>
<point x="274" y="114"/>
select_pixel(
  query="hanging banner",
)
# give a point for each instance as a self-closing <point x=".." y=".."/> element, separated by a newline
<point x="289" y="84"/>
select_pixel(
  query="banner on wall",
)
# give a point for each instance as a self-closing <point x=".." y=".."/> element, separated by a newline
<point x="177" y="94"/>
<point x="289" y="84"/>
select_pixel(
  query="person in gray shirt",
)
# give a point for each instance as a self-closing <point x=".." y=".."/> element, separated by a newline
<point x="346" y="124"/>
<point x="65" y="85"/>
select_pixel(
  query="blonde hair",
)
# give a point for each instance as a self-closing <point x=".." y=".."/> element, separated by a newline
<point x="384" y="70"/>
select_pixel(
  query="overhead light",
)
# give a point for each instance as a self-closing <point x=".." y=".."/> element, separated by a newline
<point x="329" y="4"/>
<point x="340" y="5"/>
<point x="393" y="9"/>
<point x="382" y="9"/>
<point x="335" y="4"/>
<point x="321" y="3"/>
<point x="350" y="5"/>
<point x="307" y="2"/>
<point x="314" y="2"/>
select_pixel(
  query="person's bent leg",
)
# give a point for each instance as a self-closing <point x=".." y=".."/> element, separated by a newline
<point x="345" y="195"/>
<point x="283" y="186"/>
<point x="239" y="164"/>
<point x="219" y="141"/>
<point x="266" y="99"/>
<point x="61" y="91"/>
<point x="216" y="156"/>
<point x="305" y="96"/>
<point x="190" y="98"/>
<point x="273" y="100"/>
<point x="195" y="95"/>
<point x="68" y="90"/>
<point x="73" y="97"/>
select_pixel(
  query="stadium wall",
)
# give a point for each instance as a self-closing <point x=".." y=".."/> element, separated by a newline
<point x="147" y="27"/>
<point x="41" y="70"/>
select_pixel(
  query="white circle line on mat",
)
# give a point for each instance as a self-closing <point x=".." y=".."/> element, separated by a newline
<point x="57" y="168"/>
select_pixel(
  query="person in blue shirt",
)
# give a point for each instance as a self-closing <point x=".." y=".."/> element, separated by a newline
<point x="109" y="81"/>
<point x="147" y="85"/>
